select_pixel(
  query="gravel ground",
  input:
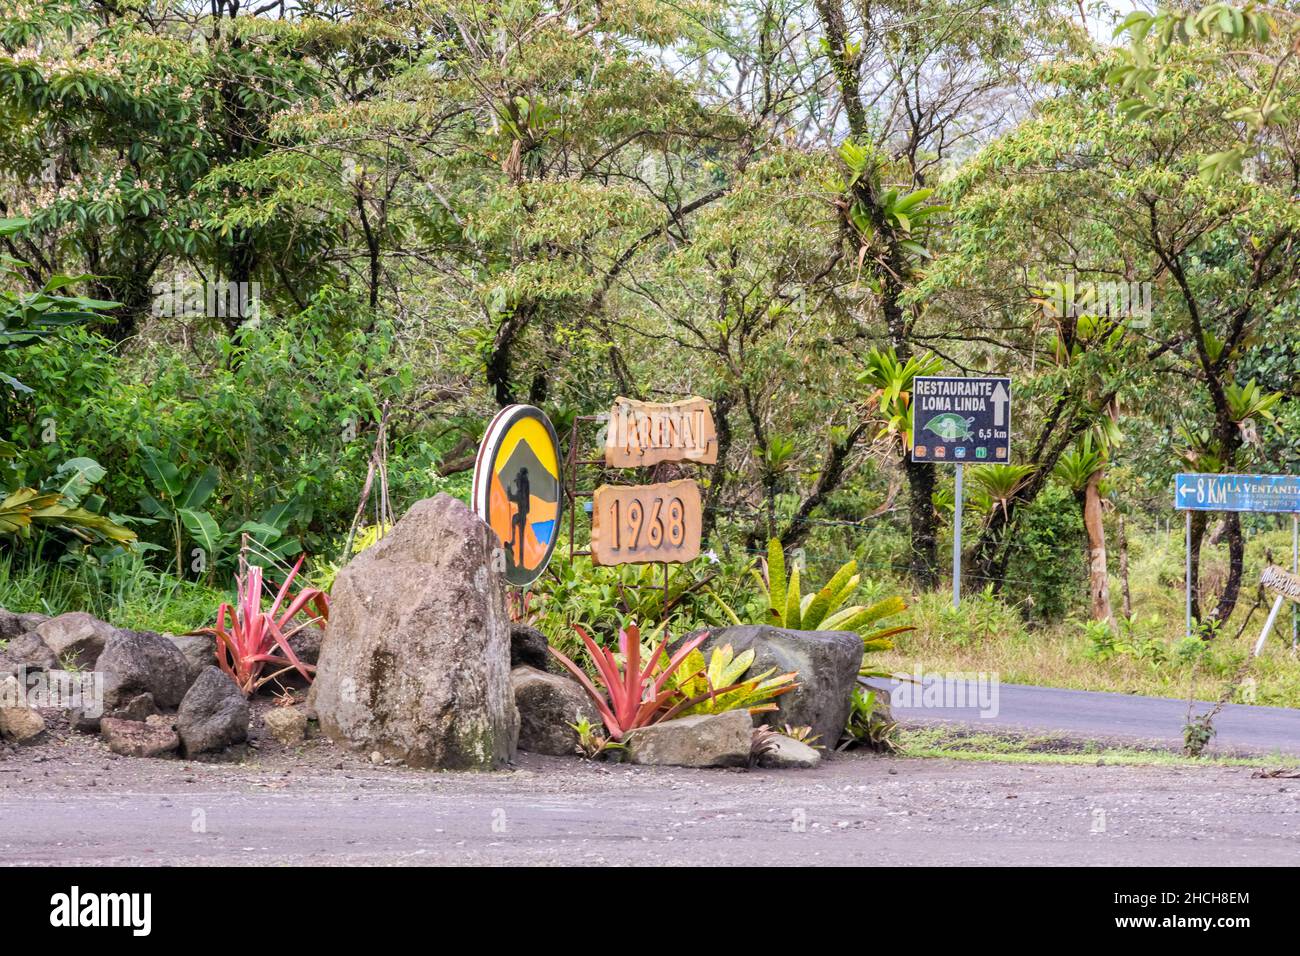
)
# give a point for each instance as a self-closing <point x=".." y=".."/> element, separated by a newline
<point x="69" y="801"/>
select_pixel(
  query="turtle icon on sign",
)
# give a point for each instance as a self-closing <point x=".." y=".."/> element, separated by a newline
<point x="950" y="426"/>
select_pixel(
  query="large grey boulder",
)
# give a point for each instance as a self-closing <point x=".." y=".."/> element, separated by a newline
<point x="416" y="660"/>
<point x="213" y="715"/>
<point x="703" y="740"/>
<point x="27" y="652"/>
<point x="827" y="663"/>
<point x="142" y="662"/>
<point x="548" y="704"/>
<point x="77" y="637"/>
<point x="200" y="651"/>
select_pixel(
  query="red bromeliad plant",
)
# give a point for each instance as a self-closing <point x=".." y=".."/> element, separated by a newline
<point x="635" y="696"/>
<point x="249" y="644"/>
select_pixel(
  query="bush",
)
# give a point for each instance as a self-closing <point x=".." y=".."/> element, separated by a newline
<point x="1047" y="558"/>
<point x="281" y="414"/>
<point x="982" y="616"/>
<point x="603" y="601"/>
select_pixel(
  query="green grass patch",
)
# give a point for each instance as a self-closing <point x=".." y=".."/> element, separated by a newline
<point x="123" y="592"/>
<point x="922" y="742"/>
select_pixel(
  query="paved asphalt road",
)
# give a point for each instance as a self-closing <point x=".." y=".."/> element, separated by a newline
<point x="1241" y="728"/>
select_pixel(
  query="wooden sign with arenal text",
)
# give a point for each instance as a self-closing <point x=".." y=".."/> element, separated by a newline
<point x="639" y="524"/>
<point x="646" y="433"/>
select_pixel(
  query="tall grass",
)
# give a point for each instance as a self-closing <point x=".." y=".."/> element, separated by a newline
<point x="123" y="592"/>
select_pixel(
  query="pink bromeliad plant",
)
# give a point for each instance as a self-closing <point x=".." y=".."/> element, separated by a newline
<point x="253" y="636"/>
<point x="635" y="695"/>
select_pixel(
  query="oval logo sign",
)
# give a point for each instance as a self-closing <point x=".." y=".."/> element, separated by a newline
<point x="517" y="489"/>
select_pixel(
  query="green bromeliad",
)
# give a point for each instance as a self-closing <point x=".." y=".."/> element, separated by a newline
<point x="822" y="610"/>
<point x="719" y="682"/>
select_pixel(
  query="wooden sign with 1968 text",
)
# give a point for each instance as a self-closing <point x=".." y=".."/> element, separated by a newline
<point x="645" y="523"/>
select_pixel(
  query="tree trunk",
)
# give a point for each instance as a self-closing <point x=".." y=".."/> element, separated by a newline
<point x="498" y="367"/>
<point x="924" y="523"/>
<point x="1198" y="536"/>
<point x="1098" y="576"/>
<point x="722" y="403"/>
<point x="1236" y="560"/>
<point x="1123" y="570"/>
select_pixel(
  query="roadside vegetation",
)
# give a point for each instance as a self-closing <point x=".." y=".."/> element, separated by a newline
<point x="1029" y="749"/>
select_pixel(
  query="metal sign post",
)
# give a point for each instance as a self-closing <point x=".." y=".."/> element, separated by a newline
<point x="956" y="542"/>
<point x="1187" y="545"/>
<point x="956" y="420"/>
<point x="1269" y="494"/>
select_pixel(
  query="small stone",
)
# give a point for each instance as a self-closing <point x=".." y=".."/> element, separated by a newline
<point x="288" y="725"/>
<point x="787" y="753"/>
<point x="139" y="707"/>
<point x="199" y="650"/>
<point x="15" y="625"/>
<point x="214" y="713"/>
<point x="376" y="757"/>
<point x="306" y="643"/>
<point x="528" y="647"/>
<point x="76" y="636"/>
<point x="137" y="662"/>
<point x="153" y="737"/>
<point x="18" y="722"/>
<point x="548" y="704"/>
<point x="29" y="651"/>
<point x="703" y="740"/>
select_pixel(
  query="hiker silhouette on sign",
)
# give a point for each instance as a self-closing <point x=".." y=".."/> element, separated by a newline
<point x="519" y="495"/>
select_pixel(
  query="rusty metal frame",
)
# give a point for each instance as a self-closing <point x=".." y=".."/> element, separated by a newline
<point x="571" y="465"/>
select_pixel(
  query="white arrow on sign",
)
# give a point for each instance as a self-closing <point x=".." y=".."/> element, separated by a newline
<point x="1000" y="399"/>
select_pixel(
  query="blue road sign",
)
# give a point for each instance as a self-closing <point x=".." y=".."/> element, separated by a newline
<point x="1271" y="493"/>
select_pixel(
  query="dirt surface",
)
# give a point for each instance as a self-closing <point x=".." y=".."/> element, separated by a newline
<point x="69" y="801"/>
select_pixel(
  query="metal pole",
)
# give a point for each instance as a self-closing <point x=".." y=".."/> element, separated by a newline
<point x="956" y="541"/>
<point x="1268" y="625"/>
<point x="1295" y="569"/>
<point x="1188" y="575"/>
